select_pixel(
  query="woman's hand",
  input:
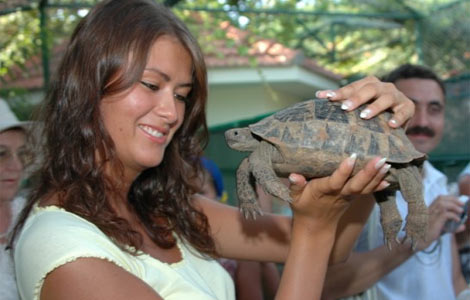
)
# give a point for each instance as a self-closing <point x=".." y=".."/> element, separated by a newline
<point x="382" y="95"/>
<point x="325" y="199"/>
<point x="317" y="206"/>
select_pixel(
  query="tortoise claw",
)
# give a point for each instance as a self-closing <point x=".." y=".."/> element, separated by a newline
<point x="250" y="211"/>
<point x="414" y="244"/>
<point x="389" y="245"/>
<point x="389" y="242"/>
<point x="247" y="214"/>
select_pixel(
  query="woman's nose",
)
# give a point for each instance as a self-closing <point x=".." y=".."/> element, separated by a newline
<point x="167" y="107"/>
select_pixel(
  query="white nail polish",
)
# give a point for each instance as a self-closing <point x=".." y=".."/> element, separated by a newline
<point x="365" y="113"/>
<point x="393" y="121"/>
<point x="292" y="179"/>
<point x="346" y="105"/>
<point x="352" y="159"/>
<point x="385" y="168"/>
<point x="317" y="93"/>
<point x="330" y="94"/>
<point x="380" y="163"/>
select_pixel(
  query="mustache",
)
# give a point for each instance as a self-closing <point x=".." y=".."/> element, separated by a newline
<point x="420" y="130"/>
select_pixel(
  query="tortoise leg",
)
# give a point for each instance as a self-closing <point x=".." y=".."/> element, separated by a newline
<point x="390" y="218"/>
<point x="246" y="193"/>
<point x="261" y="167"/>
<point x="411" y="187"/>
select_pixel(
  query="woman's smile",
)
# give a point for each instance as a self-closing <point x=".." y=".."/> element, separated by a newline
<point x="157" y="135"/>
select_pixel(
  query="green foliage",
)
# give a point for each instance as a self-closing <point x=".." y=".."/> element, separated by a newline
<point x="18" y="101"/>
<point x="18" y="39"/>
<point x="350" y="37"/>
<point x="346" y="36"/>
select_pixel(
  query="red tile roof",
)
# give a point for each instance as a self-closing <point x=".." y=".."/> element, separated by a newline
<point x="267" y="53"/>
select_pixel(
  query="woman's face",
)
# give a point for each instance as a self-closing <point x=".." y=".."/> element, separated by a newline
<point x="13" y="154"/>
<point x="143" y="119"/>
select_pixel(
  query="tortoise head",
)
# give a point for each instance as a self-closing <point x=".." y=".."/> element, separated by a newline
<point x="241" y="139"/>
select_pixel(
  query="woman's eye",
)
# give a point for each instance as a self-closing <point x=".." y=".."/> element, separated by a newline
<point x="150" y="86"/>
<point x="182" y="98"/>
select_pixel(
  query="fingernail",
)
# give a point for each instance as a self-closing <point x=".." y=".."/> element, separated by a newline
<point x="317" y="94"/>
<point x="385" y="184"/>
<point x="292" y="179"/>
<point x="385" y="168"/>
<point x="352" y="159"/>
<point x="346" y="105"/>
<point x="330" y="94"/>
<point x="380" y="163"/>
<point x="393" y="122"/>
<point x="365" y="113"/>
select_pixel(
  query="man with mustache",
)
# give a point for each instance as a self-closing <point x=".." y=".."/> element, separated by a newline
<point x="432" y="271"/>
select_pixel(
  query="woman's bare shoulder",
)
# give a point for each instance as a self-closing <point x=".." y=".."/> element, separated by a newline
<point x="94" y="278"/>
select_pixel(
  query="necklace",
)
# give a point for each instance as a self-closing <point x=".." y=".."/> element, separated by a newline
<point x="430" y="257"/>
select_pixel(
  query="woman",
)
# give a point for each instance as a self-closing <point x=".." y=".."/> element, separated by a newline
<point x="14" y="157"/>
<point x="114" y="215"/>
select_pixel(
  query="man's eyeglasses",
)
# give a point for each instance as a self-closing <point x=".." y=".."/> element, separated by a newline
<point x="22" y="154"/>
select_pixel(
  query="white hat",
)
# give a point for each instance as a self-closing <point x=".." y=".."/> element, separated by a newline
<point x="8" y="119"/>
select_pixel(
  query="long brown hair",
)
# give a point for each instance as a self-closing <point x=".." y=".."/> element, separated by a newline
<point x="107" y="54"/>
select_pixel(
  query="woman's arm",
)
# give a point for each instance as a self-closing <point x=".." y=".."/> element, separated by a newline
<point x="350" y="227"/>
<point x="94" y="279"/>
<point x="317" y="208"/>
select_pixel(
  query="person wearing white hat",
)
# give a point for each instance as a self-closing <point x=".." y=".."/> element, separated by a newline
<point x="14" y="157"/>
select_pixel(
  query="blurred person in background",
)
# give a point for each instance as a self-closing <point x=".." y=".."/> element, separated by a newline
<point x="431" y="271"/>
<point x="14" y="157"/>
<point x="253" y="280"/>
<point x="463" y="238"/>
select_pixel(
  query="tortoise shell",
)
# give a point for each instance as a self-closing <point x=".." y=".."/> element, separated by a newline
<point x="321" y="128"/>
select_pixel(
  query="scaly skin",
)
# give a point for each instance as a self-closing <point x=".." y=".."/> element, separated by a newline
<point x="246" y="194"/>
<point x="261" y="166"/>
<point x="411" y="187"/>
<point x="390" y="218"/>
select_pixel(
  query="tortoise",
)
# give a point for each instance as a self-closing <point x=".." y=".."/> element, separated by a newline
<point x="312" y="138"/>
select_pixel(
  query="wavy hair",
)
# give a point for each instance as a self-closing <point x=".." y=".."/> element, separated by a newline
<point x="106" y="55"/>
